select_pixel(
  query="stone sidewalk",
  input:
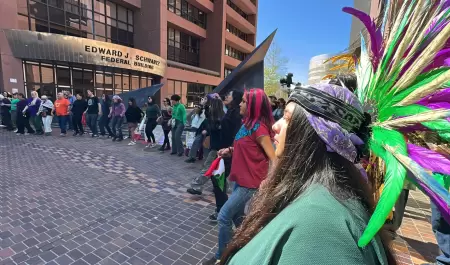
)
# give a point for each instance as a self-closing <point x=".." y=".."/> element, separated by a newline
<point x="82" y="200"/>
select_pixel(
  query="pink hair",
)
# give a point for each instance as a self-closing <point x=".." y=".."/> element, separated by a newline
<point x="258" y="109"/>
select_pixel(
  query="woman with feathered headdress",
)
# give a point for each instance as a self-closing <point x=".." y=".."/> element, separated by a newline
<point x="314" y="208"/>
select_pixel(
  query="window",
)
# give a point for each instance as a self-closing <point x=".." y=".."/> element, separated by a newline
<point x="183" y="48"/>
<point x="52" y="78"/>
<point x="235" y="31"/>
<point x="237" y="9"/>
<point x="94" y="19"/>
<point x="190" y="93"/>
<point x="187" y="11"/>
<point x="234" y="53"/>
<point x="226" y="72"/>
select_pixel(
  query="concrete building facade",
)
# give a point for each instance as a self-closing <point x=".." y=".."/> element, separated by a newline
<point x="115" y="46"/>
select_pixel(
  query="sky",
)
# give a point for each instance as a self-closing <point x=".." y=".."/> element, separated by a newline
<point x="306" y="28"/>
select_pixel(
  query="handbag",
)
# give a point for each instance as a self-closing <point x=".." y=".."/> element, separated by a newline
<point x="160" y="120"/>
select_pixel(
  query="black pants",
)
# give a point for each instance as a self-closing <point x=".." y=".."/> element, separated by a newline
<point x="221" y="195"/>
<point x="149" y="127"/>
<point x="77" y="124"/>
<point x="22" y="123"/>
<point x="166" y="143"/>
<point x="104" y="123"/>
<point x="6" y="118"/>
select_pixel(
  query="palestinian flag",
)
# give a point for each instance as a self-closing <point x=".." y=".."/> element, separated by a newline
<point x="217" y="173"/>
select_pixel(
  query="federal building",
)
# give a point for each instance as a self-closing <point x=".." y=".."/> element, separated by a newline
<point x="115" y="46"/>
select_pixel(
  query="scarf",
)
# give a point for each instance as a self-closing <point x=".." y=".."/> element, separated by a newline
<point x="47" y="103"/>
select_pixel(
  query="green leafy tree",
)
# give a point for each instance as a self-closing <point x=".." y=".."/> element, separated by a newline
<point x="275" y="67"/>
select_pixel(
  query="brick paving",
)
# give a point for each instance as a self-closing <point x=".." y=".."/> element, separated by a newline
<point x="416" y="243"/>
<point x="79" y="200"/>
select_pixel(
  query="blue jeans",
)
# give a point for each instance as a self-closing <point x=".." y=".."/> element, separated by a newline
<point x="232" y="212"/>
<point x="62" y="120"/>
<point x="441" y="230"/>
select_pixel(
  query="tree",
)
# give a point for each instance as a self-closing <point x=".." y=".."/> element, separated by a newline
<point x="275" y="67"/>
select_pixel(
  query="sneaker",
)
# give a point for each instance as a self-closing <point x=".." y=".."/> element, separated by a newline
<point x="120" y="139"/>
<point x="48" y="134"/>
<point x="213" y="217"/>
<point x="18" y="133"/>
<point x="194" y="192"/>
<point x="131" y="143"/>
<point x="190" y="160"/>
<point x="75" y="134"/>
<point x="62" y="134"/>
<point x="16" y="130"/>
<point x="161" y="149"/>
<point x="95" y="135"/>
<point x="27" y="134"/>
<point x="211" y="261"/>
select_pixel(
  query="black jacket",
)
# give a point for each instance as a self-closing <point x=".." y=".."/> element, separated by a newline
<point x="134" y="114"/>
<point x="78" y="107"/>
<point x="231" y="123"/>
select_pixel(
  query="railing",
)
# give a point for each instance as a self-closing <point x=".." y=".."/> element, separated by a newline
<point x="237" y="9"/>
<point x="188" y="12"/>
<point x="236" y="32"/>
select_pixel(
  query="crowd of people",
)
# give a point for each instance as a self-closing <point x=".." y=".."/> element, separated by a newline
<point x="249" y="131"/>
<point x="104" y="117"/>
<point x="313" y="178"/>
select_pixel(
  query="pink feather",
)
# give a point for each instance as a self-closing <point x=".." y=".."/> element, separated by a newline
<point x="429" y="159"/>
<point x="376" y="37"/>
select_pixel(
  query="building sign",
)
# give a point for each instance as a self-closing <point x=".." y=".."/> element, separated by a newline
<point x="54" y="47"/>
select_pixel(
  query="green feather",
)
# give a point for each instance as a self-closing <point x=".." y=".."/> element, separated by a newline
<point x="393" y="179"/>
<point x="401" y="111"/>
<point x="444" y="180"/>
<point x="390" y="50"/>
<point x="420" y="81"/>
<point x="441" y="127"/>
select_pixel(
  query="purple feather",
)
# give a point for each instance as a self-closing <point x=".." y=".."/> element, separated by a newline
<point x="442" y="58"/>
<point x="440" y="203"/>
<point x="440" y="105"/>
<point x="429" y="160"/>
<point x="442" y="95"/>
<point x="376" y="37"/>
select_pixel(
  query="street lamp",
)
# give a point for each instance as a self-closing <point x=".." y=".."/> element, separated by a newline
<point x="287" y="85"/>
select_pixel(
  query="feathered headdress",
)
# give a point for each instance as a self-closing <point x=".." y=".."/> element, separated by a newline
<point x="404" y="84"/>
<point x="342" y="63"/>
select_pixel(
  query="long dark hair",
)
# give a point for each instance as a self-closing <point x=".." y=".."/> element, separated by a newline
<point x="348" y="80"/>
<point x="133" y="102"/>
<point x="168" y="101"/>
<point x="107" y="100"/>
<point x="237" y="99"/>
<point x="258" y="109"/>
<point x="215" y="110"/>
<point x="305" y="162"/>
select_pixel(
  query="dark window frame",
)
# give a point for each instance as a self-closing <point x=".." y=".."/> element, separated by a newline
<point x="188" y="12"/>
<point x="235" y="53"/>
<point x="184" y="50"/>
<point x="85" y="16"/>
